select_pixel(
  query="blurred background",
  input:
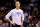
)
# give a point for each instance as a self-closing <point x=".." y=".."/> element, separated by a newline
<point x="31" y="10"/>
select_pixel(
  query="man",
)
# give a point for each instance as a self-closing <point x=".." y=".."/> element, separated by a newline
<point x="16" y="14"/>
<point x="38" y="24"/>
<point x="1" y="24"/>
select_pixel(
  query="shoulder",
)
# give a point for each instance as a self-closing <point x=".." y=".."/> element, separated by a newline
<point x="21" y="10"/>
<point x="12" y="10"/>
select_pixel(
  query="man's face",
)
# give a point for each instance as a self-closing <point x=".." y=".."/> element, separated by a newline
<point x="0" y="21"/>
<point x="17" y="4"/>
<point x="39" y="22"/>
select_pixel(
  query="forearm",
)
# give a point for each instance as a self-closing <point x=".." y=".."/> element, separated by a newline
<point x="9" y="20"/>
<point x="22" y="21"/>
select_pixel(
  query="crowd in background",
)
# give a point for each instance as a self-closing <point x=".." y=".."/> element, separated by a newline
<point x="31" y="10"/>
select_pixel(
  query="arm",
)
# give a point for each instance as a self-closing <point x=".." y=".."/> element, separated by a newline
<point x="8" y="15"/>
<point x="22" y="18"/>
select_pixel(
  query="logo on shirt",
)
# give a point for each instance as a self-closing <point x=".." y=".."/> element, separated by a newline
<point x="18" y="13"/>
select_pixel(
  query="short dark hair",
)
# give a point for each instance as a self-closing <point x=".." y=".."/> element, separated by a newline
<point x="17" y="1"/>
<point x="1" y="19"/>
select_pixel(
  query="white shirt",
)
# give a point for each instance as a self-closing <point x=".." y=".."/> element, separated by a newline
<point x="16" y="16"/>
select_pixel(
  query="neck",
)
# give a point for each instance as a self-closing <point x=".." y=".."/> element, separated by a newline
<point x="17" y="8"/>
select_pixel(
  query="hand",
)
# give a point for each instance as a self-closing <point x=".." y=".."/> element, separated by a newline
<point x="21" y="24"/>
<point x="13" y="23"/>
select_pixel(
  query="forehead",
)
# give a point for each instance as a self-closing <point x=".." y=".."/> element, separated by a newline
<point x="17" y="2"/>
<point x="0" y="20"/>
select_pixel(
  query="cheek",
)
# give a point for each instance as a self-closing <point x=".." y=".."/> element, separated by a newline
<point x="0" y="21"/>
<point x="17" y="4"/>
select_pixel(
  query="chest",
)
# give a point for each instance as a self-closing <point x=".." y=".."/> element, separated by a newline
<point x="17" y="12"/>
